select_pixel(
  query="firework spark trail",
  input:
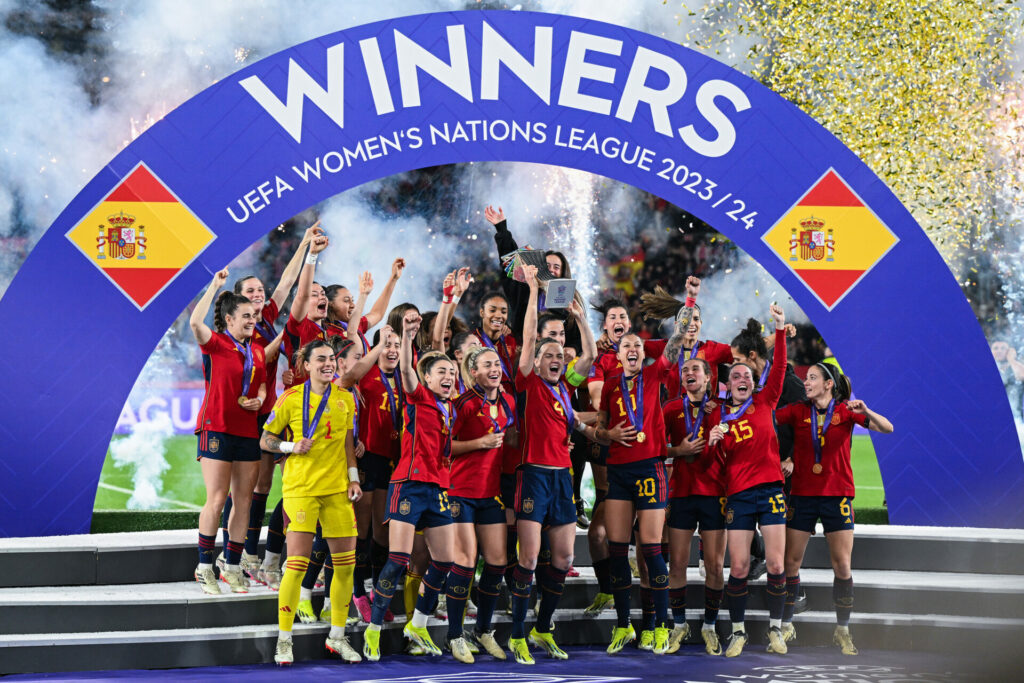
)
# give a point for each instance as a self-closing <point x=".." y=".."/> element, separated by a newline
<point x="572" y="194"/>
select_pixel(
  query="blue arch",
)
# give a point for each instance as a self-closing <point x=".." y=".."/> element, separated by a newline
<point x="954" y="459"/>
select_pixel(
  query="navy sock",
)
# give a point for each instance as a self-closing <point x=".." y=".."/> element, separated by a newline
<point x="384" y="588"/>
<point x="776" y="595"/>
<point x="657" y="572"/>
<point x="378" y="558"/>
<point x="737" y="591"/>
<point x="257" y="509"/>
<point x="602" y="570"/>
<point x="551" y="593"/>
<point x="511" y="555"/>
<point x="457" y="589"/>
<point x="792" y="592"/>
<point x="224" y="523"/>
<point x="233" y="552"/>
<point x="522" y="579"/>
<point x="621" y="580"/>
<point x="317" y="556"/>
<point x="275" y="529"/>
<point x="677" y="600"/>
<point x="647" y="603"/>
<point x="433" y="582"/>
<point x="487" y="595"/>
<point x="712" y="603"/>
<point x="842" y="597"/>
<point x="206" y="546"/>
<point x="362" y="568"/>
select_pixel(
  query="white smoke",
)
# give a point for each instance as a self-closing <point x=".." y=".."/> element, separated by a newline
<point x="144" y="451"/>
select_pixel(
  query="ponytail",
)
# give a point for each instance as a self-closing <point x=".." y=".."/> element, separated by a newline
<point x="750" y="339"/>
<point x="226" y="304"/>
<point x="660" y="304"/>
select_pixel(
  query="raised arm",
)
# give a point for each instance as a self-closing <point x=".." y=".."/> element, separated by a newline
<point x="291" y="271"/>
<point x="530" y="324"/>
<point x="589" y="351"/>
<point x="300" y="303"/>
<point x="876" y="422"/>
<point x="444" y="312"/>
<point x="365" y="287"/>
<point x="197" y="321"/>
<point x="366" y="363"/>
<point x="773" y="387"/>
<point x="380" y="306"/>
<point x="683" y="318"/>
<point x="410" y="328"/>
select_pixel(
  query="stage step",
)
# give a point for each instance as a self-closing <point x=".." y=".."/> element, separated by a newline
<point x="178" y="605"/>
<point x="161" y="649"/>
<point x="106" y="559"/>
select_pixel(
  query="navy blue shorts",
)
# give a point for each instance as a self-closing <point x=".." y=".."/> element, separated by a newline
<point x="477" y="510"/>
<point x="644" y="483"/>
<point x="545" y="495"/>
<point x="508" y="487"/>
<point x="228" y="447"/>
<point x="764" y="504"/>
<point x="835" y="513"/>
<point x="419" y="503"/>
<point x="689" y="511"/>
<point x="599" y="454"/>
<point x="374" y="472"/>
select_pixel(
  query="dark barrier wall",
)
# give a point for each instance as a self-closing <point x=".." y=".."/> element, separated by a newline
<point x="143" y="237"/>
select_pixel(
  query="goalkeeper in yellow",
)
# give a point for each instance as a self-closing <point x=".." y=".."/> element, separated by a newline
<point x="311" y="426"/>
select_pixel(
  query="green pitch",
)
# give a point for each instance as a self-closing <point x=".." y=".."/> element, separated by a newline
<point x="182" y="483"/>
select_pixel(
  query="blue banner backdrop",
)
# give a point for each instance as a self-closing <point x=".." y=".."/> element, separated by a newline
<point x="402" y="94"/>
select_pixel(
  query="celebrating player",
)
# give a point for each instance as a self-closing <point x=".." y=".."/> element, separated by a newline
<point x="823" y="487"/>
<point x="341" y="307"/>
<point x="637" y="480"/>
<point x="743" y="433"/>
<point x="319" y="482"/>
<point x="544" y="485"/>
<point x="417" y="495"/>
<point x="698" y="497"/>
<point x="308" y="311"/>
<point x="486" y="415"/>
<point x="229" y="452"/>
<point x="493" y="317"/>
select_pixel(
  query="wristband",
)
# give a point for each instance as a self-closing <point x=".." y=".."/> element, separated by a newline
<point x="580" y="427"/>
<point x="447" y="299"/>
<point x="311" y="259"/>
<point x="690" y="302"/>
<point x="353" y="475"/>
<point x="286" y="446"/>
<point x="574" y="378"/>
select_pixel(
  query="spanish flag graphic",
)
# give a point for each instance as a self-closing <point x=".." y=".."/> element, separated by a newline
<point x="830" y="239"/>
<point x="141" y="236"/>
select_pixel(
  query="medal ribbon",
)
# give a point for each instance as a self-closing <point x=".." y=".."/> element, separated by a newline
<point x="729" y="417"/>
<point x="343" y="326"/>
<point x="562" y="396"/>
<point x="510" y="418"/>
<point x="247" y="363"/>
<point x="490" y="344"/>
<point x="764" y="375"/>
<point x="824" y="428"/>
<point x="446" y="417"/>
<point x="308" y="427"/>
<point x="266" y="329"/>
<point x="461" y="385"/>
<point x="636" y="417"/>
<point x="355" y="419"/>
<point x="693" y="425"/>
<point x="394" y="397"/>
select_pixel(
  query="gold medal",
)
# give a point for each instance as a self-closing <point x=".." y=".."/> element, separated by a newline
<point x="494" y="412"/>
<point x="817" y="468"/>
<point x="242" y="400"/>
<point x="641" y="437"/>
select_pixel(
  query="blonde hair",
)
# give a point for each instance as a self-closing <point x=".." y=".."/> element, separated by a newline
<point x="469" y="361"/>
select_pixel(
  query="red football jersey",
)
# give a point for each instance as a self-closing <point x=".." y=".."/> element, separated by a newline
<point x="223" y="364"/>
<point x="505" y="347"/>
<point x="340" y="329"/>
<point x="751" y="448"/>
<point x="613" y="404"/>
<point x="711" y="351"/>
<point x="377" y="424"/>
<point x="263" y="335"/>
<point x="427" y="439"/>
<point x="477" y="474"/>
<point x="836" y="478"/>
<point x="545" y="432"/>
<point x="298" y="333"/>
<point x="703" y="476"/>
